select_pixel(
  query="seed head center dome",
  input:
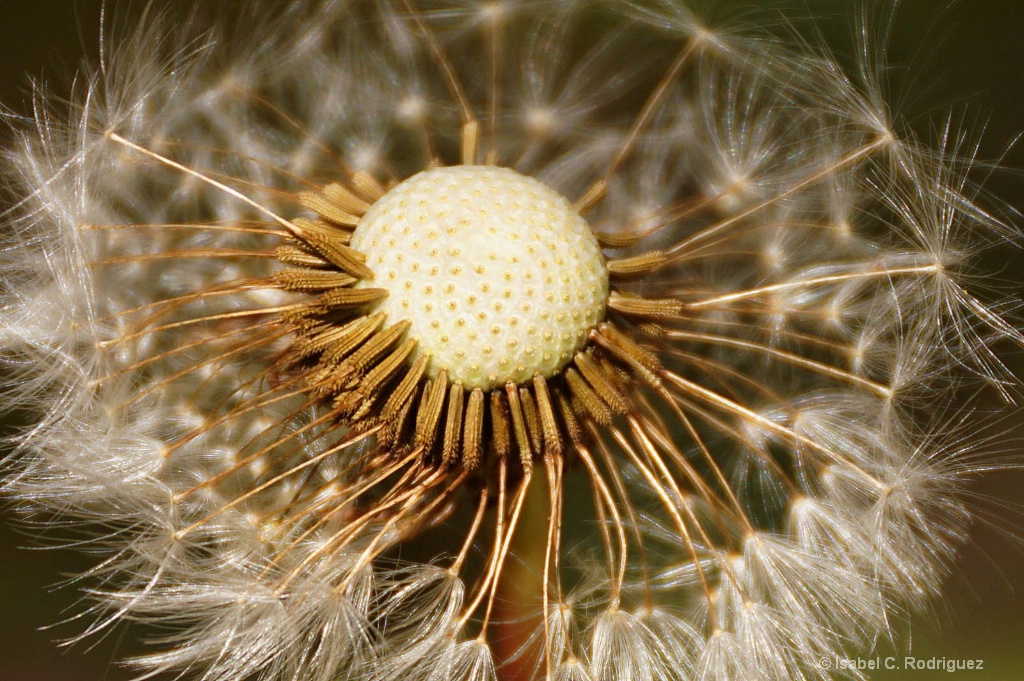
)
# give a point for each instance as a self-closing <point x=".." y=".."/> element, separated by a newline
<point x="500" y="278"/>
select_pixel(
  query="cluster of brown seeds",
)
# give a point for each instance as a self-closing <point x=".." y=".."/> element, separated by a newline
<point x="364" y="365"/>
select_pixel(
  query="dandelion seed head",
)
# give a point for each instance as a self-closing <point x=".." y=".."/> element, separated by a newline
<point x="454" y="340"/>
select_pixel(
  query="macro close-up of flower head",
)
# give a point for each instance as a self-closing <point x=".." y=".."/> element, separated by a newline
<point x="458" y="340"/>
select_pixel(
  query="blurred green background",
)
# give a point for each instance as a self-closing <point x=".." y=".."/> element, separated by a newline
<point x="968" y="56"/>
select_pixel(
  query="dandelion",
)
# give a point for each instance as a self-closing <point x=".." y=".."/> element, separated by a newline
<point x="466" y="340"/>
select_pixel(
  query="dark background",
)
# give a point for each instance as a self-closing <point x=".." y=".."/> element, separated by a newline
<point x="967" y="56"/>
